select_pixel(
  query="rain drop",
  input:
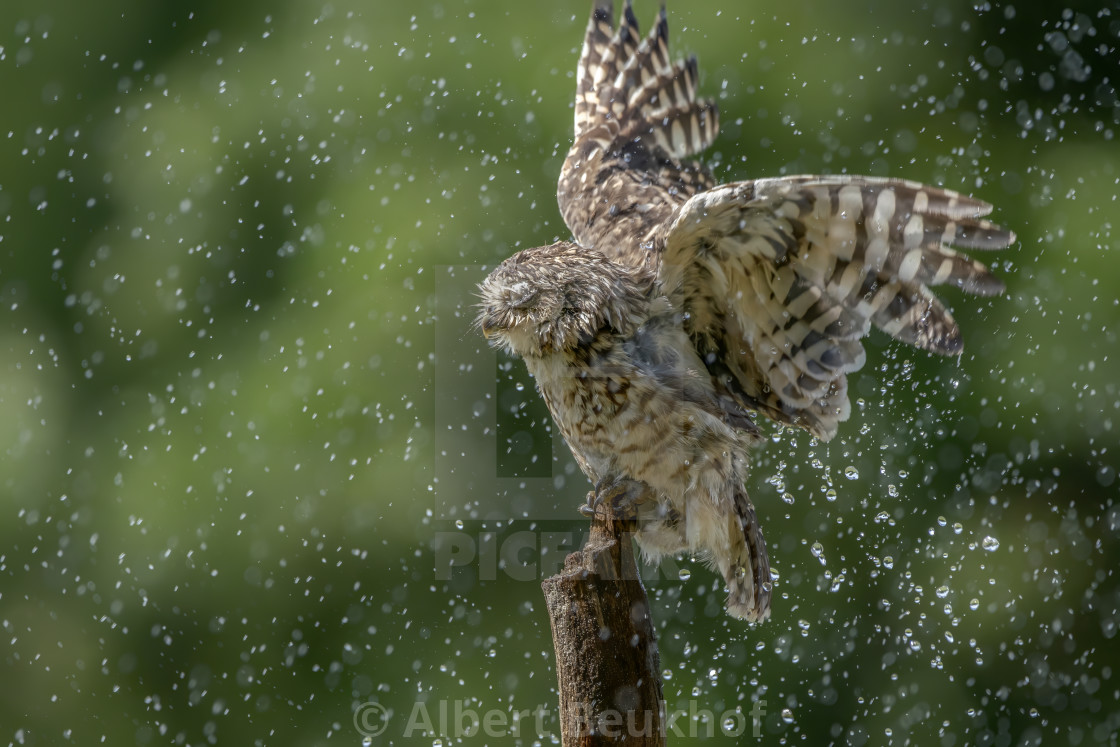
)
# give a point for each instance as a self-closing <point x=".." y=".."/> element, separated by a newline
<point x="818" y="551"/>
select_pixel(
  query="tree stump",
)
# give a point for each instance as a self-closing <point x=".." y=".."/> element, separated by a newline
<point x="607" y="664"/>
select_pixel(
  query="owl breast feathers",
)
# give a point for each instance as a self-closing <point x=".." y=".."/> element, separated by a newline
<point x="682" y="310"/>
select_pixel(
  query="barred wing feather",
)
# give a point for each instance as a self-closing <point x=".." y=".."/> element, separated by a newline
<point x="780" y="279"/>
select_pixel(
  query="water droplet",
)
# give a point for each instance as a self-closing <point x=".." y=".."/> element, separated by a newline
<point x="787" y="715"/>
<point x="851" y="473"/>
<point x="881" y="517"/>
<point x="818" y="551"/>
<point x="973" y="603"/>
<point x="942" y="591"/>
<point x="788" y="498"/>
<point x="684" y="574"/>
<point x="991" y="544"/>
<point x="830" y="495"/>
<point x="888" y="561"/>
<point x="892" y="490"/>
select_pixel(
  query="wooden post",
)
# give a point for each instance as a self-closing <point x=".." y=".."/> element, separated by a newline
<point x="607" y="667"/>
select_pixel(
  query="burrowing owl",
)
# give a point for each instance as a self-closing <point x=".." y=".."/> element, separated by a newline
<point x="683" y="309"/>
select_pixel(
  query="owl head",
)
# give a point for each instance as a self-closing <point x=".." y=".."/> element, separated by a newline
<point x="555" y="298"/>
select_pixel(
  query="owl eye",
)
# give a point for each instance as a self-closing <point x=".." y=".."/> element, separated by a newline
<point x="525" y="301"/>
<point x="522" y="295"/>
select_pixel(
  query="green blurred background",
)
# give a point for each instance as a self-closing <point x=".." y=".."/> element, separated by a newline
<point x="222" y="232"/>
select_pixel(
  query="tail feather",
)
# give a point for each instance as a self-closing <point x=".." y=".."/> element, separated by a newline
<point x="747" y="570"/>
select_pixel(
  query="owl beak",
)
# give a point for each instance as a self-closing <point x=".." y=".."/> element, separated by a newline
<point x="487" y="325"/>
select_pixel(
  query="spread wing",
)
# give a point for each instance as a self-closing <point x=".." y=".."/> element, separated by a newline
<point x="636" y="118"/>
<point x="780" y="279"/>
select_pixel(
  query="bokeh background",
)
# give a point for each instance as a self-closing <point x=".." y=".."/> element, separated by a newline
<point x="235" y="244"/>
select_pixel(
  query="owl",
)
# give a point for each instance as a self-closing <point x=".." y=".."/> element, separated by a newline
<point x="683" y="311"/>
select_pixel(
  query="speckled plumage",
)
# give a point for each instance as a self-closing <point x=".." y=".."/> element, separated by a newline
<point x="682" y="309"/>
<point x="633" y="400"/>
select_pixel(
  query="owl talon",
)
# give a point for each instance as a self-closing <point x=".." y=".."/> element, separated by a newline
<point x="588" y="509"/>
<point x="621" y="494"/>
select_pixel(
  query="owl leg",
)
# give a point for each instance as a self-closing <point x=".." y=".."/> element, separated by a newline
<point x="620" y="493"/>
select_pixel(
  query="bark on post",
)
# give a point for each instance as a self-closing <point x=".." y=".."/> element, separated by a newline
<point x="607" y="664"/>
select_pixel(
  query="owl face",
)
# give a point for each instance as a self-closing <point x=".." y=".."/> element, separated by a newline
<point x="517" y="314"/>
<point x="554" y="298"/>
